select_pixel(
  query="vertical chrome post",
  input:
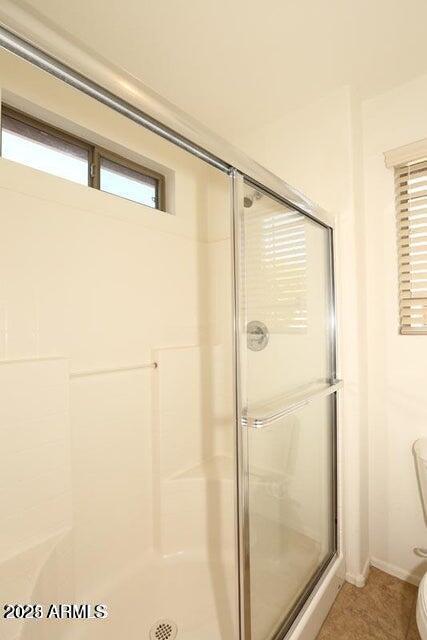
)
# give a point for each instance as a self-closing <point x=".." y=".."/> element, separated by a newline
<point x="241" y="432"/>
<point x="335" y="373"/>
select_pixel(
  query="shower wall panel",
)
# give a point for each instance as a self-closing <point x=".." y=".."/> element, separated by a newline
<point x="101" y="282"/>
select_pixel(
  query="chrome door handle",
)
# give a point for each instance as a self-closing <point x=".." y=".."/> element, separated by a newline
<point x="265" y="420"/>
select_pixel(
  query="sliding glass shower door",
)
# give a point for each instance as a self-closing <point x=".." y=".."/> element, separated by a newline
<point x="287" y="409"/>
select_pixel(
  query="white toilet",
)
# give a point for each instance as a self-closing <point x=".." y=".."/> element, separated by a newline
<point x="422" y="608"/>
<point x="420" y="451"/>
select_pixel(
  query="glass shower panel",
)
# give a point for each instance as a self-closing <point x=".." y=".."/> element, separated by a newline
<point x="290" y="506"/>
<point x="287" y="285"/>
<point x="288" y="408"/>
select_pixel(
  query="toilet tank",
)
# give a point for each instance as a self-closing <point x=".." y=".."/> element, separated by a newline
<point x="420" y="452"/>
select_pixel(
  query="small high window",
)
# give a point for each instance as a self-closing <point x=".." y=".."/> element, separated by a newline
<point x="34" y="145"/>
<point x="38" y="145"/>
<point x="128" y="180"/>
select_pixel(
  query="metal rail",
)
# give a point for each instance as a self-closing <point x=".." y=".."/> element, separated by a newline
<point x="180" y="130"/>
<point x="96" y="372"/>
<point x="260" y="422"/>
<point x="43" y="60"/>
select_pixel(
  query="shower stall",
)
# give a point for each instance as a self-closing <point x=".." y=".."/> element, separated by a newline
<point x="168" y="382"/>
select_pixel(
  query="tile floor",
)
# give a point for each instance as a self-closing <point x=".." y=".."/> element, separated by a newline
<point x="383" y="610"/>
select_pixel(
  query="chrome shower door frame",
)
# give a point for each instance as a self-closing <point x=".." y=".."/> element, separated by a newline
<point x="242" y="423"/>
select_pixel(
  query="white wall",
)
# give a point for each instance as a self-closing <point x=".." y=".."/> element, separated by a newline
<point x="92" y="281"/>
<point x="318" y="150"/>
<point x="397" y="364"/>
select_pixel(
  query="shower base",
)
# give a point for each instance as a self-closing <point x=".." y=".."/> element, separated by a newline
<point x="197" y="596"/>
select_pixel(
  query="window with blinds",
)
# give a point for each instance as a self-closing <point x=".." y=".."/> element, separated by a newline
<point x="276" y="265"/>
<point x="411" y="203"/>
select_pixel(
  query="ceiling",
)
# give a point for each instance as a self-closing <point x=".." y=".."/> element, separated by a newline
<point x="238" y="64"/>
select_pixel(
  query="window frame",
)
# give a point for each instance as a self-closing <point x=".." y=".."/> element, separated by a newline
<point x="412" y="270"/>
<point x="35" y="123"/>
<point x="95" y="154"/>
<point x="99" y="153"/>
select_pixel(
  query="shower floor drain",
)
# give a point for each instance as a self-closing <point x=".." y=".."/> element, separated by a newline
<point x="164" y="630"/>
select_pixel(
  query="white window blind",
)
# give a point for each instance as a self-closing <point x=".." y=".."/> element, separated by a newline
<point x="411" y="203"/>
<point x="276" y="266"/>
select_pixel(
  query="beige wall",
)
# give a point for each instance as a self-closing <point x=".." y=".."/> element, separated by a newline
<point x="397" y="364"/>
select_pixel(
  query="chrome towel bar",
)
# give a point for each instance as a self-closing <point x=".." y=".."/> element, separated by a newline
<point x="259" y="422"/>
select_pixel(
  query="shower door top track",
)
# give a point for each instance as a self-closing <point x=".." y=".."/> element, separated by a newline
<point x="154" y="114"/>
